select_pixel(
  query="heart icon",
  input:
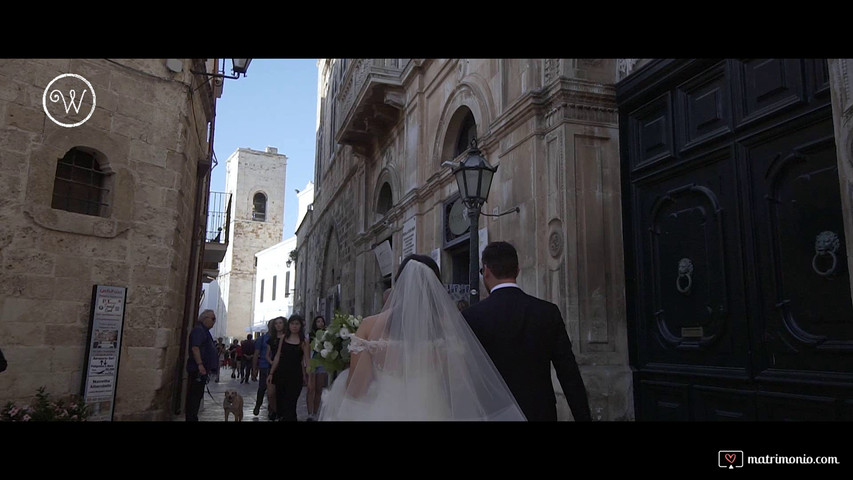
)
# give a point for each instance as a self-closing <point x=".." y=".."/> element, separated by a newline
<point x="730" y="457"/>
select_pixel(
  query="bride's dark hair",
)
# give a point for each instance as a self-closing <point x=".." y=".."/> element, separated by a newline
<point x="425" y="259"/>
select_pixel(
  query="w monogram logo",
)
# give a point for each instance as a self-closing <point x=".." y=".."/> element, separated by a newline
<point x="55" y="95"/>
<point x="62" y="103"/>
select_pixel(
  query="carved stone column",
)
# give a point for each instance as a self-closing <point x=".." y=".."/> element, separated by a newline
<point x="841" y="86"/>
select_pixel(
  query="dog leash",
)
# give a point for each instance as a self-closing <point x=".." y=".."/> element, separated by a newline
<point x="208" y="392"/>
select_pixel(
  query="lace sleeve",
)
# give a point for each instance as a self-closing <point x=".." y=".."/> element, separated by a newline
<point x="356" y="344"/>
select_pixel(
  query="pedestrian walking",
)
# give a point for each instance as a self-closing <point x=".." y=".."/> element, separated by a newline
<point x="262" y="360"/>
<point x="247" y="348"/>
<point x="201" y="362"/>
<point x="525" y="336"/>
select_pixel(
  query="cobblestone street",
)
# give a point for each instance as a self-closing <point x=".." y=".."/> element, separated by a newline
<point x="211" y="408"/>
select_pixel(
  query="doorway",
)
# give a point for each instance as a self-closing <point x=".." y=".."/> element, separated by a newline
<point x="738" y="292"/>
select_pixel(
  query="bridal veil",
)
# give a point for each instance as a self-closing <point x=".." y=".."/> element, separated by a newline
<point x="419" y="360"/>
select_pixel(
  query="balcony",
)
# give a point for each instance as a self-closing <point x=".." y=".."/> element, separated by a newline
<point x="217" y="233"/>
<point x="370" y="101"/>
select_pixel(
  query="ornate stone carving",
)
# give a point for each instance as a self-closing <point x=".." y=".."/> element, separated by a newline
<point x="582" y="101"/>
<point x="555" y="244"/>
<point x="552" y="69"/>
<point x="395" y="98"/>
<point x="461" y="69"/>
<point x="626" y="66"/>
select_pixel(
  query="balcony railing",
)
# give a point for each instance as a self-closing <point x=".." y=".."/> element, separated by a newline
<point x="217" y="232"/>
<point x="218" y="217"/>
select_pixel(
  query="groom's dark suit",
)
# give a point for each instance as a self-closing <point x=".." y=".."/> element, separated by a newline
<point x="524" y="335"/>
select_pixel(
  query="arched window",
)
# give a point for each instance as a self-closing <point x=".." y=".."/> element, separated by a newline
<point x="467" y="132"/>
<point x="385" y="201"/>
<point x="79" y="184"/>
<point x="259" y="207"/>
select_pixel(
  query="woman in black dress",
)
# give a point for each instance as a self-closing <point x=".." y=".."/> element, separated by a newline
<point x="278" y="330"/>
<point x="288" y="367"/>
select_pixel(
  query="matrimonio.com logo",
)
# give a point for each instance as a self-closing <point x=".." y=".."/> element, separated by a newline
<point x="730" y="459"/>
<point x="69" y="100"/>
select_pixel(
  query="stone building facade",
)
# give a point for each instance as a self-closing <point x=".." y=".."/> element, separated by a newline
<point x="551" y="128"/>
<point x="255" y="180"/>
<point x="144" y="152"/>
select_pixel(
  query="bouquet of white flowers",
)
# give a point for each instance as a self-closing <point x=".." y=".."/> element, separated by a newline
<point x="332" y="343"/>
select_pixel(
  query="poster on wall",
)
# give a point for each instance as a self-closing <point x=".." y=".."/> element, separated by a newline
<point x="106" y="320"/>
<point x="384" y="257"/>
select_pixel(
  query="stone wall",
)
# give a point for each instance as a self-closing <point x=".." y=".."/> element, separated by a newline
<point x="144" y="127"/>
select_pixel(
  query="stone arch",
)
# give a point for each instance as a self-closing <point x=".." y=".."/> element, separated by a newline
<point x="260" y="201"/>
<point x="385" y="200"/>
<point x="468" y="97"/>
<point x="330" y="277"/>
<point x="388" y="179"/>
<point x="331" y="273"/>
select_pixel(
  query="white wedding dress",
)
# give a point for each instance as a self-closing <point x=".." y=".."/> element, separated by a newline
<point x="389" y="397"/>
<point x="425" y="363"/>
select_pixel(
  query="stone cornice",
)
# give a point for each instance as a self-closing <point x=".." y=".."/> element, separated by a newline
<point x="527" y="106"/>
<point x="581" y="101"/>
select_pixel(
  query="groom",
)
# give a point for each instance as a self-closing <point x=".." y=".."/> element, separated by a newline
<point x="524" y="336"/>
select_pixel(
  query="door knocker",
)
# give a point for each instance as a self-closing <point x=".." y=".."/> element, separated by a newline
<point x="827" y="243"/>
<point x="685" y="270"/>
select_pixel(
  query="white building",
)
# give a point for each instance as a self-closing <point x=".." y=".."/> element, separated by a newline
<point x="275" y="274"/>
<point x="256" y="181"/>
<point x="274" y="278"/>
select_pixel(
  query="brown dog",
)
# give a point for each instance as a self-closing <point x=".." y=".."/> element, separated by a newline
<point x="233" y="404"/>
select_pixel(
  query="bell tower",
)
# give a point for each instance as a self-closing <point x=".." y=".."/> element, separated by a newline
<point x="255" y="180"/>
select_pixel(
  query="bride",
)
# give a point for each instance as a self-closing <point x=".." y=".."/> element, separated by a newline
<point x="418" y="360"/>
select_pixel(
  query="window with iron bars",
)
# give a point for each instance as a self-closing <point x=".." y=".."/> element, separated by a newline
<point x="79" y="184"/>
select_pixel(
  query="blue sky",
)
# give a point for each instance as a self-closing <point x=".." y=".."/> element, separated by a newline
<point x="274" y="105"/>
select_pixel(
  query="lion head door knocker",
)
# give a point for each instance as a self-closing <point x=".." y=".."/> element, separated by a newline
<point x="827" y="243"/>
<point x="685" y="271"/>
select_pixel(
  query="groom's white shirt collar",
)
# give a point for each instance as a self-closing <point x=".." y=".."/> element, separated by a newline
<point x="503" y="285"/>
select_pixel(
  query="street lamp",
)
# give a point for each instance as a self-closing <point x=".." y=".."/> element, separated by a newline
<point x="239" y="66"/>
<point x="474" y="177"/>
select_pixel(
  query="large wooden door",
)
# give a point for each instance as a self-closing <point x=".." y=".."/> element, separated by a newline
<point x="738" y="290"/>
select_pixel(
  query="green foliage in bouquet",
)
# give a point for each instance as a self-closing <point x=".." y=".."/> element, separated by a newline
<point x="332" y="343"/>
<point x="46" y="410"/>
